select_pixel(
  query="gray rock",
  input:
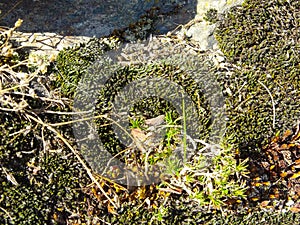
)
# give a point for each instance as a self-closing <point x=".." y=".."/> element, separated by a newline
<point x="201" y="31"/>
<point x="91" y="17"/>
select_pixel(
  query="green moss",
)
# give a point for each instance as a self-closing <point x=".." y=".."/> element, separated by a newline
<point x="179" y="211"/>
<point x="46" y="183"/>
<point x="55" y="188"/>
<point x="72" y="63"/>
<point x="211" y="16"/>
<point x="147" y="107"/>
<point x="261" y="38"/>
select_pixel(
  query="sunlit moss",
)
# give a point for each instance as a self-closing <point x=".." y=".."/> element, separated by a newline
<point x="261" y="38"/>
<point x="72" y="63"/>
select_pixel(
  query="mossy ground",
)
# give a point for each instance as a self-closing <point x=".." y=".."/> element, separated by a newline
<point x="43" y="181"/>
<point x="261" y="38"/>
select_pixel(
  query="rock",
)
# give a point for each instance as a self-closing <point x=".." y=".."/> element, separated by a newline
<point x="48" y="28"/>
<point x="201" y="31"/>
<point x="90" y="17"/>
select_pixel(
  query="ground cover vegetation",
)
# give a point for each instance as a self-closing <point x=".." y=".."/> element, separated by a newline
<point x="45" y="180"/>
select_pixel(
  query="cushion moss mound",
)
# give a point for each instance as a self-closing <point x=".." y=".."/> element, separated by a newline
<point x="53" y="188"/>
<point x="175" y="212"/>
<point x="39" y="178"/>
<point x="154" y="106"/>
<point x="134" y="211"/>
<point x="72" y="63"/>
<point x="261" y="38"/>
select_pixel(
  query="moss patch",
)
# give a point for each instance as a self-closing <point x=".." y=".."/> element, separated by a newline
<point x="42" y="182"/>
<point x="261" y="38"/>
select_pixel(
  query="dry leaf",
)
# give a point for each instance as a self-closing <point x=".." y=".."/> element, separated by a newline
<point x="156" y="121"/>
<point x="138" y="134"/>
<point x="295" y="209"/>
<point x="295" y="175"/>
<point x="111" y="209"/>
<point x="283" y="174"/>
<point x="264" y="203"/>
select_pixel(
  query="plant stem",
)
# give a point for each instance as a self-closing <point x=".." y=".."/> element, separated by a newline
<point x="184" y="131"/>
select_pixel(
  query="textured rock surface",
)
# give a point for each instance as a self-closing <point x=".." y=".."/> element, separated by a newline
<point x="49" y="43"/>
<point x="91" y="17"/>
<point x="54" y="24"/>
<point x="202" y="31"/>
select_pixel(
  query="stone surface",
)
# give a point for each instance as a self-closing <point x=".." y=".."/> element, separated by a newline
<point x="92" y="17"/>
<point x="53" y="25"/>
<point x="201" y="31"/>
<point x="50" y="43"/>
<point x="220" y="5"/>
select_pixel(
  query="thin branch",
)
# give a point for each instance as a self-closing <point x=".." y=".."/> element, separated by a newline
<point x="273" y="104"/>
<point x="89" y="172"/>
<point x="7" y="213"/>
